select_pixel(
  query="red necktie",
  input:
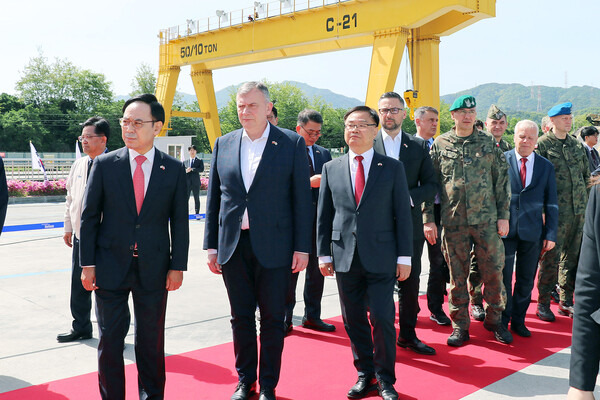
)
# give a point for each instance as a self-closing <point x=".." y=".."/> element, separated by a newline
<point x="138" y="183"/>
<point x="359" y="180"/>
<point x="523" y="171"/>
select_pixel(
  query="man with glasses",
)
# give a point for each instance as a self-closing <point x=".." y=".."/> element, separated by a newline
<point x="94" y="135"/>
<point x="571" y="165"/>
<point x="134" y="239"/>
<point x="475" y="196"/>
<point x="414" y="154"/>
<point x="364" y="234"/>
<point x="309" y="127"/>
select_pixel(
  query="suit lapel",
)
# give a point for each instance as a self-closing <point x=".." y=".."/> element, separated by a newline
<point x="344" y="166"/>
<point x="156" y="177"/>
<point x="124" y="176"/>
<point x="512" y="162"/>
<point x="374" y="171"/>
<point x="404" y="149"/>
<point x="378" y="144"/>
<point x="537" y="170"/>
<point x="233" y="150"/>
<point x="269" y="152"/>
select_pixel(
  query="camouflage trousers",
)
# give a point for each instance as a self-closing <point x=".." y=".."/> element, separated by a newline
<point x="457" y="243"/>
<point x="475" y="281"/>
<point x="560" y="263"/>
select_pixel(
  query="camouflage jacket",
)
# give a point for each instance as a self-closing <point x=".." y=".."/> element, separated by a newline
<point x="572" y="171"/>
<point x="504" y="145"/>
<point x="473" y="177"/>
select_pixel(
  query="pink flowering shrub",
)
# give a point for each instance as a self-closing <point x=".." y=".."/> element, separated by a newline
<point x="203" y="183"/>
<point x="35" y="188"/>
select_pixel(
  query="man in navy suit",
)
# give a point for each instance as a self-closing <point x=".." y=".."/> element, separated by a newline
<point x="532" y="225"/>
<point x="194" y="166"/>
<point x="364" y="233"/>
<point x="414" y="154"/>
<point x="3" y="195"/>
<point x="134" y="239"/>
<point x="257" y="232"/>
<point x="309" y="127"/>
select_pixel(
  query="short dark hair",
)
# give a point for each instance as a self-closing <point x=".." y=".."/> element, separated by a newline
<point x="369" y="110"/>
<point x="309" y="115"/>
<point x="274" y="110"/>
<point x="392" y="95"/>
<point x="101" y="126"/>
<point x="156" y="109"/>
<point x="588" y="131"/>
<point x="192" y="147"/>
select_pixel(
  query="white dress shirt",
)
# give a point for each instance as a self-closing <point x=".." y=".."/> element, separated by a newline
<point x="146" y="165"/>
<point x="528" y="167"/>
<point x="392" y="145"/>
<point x="250" y="155"/>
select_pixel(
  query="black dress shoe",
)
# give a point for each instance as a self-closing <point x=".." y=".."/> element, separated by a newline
<point x="440" y="318"/>
<point x="554" y="295"/>
<point x="566" y="308"/>
<point x="363" y="386"/>
<point x="243" y="391"/>
<point x="544" y="313"/>
<point x="288" y="328"/>
<point x="458" y="337"/>
<point x="477" y="312"/>
<point x="317" y="325"/>
<point x="267" y="394"/>
<point x="416" y="345"/>
<point x="72" y="336"/>
<point x="520" y="330"/>
<point x="387" y="391"/>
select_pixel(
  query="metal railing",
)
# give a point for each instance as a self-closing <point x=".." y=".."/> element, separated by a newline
<point x="19" y="169"/>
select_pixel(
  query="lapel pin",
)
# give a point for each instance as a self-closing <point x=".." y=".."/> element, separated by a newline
<point x="274" y="142"/>
<point x="162" y="167"/>
<point x="405" y="145"/>
<point x="379" y="164"/>
<point x="317" y="151"/>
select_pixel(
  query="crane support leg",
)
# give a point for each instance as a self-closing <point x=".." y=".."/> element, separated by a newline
<point x="385" y="62"/>
<point x="424" y="53"/>
<point x="205" y="92"/>
<point x="166" y="84"/>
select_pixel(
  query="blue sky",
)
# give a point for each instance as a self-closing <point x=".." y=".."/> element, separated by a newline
<point x="528" y="42"/>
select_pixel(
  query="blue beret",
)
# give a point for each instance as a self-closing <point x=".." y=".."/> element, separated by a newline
<point x="465" y="101"/>
<point x="560" y="109"/>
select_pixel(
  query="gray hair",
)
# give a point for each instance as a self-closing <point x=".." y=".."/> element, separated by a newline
<point x="419" y="112"/>
<point x="527" y="123"/>
<point x="545" y="122"/>
<point x="249" y="86"/>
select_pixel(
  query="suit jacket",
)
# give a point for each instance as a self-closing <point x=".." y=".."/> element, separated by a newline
<point x="321" y="156"/>
<point x="278" y="200"/>
<point x="420" y="175"/>
<point x="197" y="165"/>
<point x="76" y="183"/>
<point x="379" y="227"/>
<point x="3" y="195"/>
<point x="528" y="204"/>
<point x="110" y="225"/>
<point x="594" y="163"/>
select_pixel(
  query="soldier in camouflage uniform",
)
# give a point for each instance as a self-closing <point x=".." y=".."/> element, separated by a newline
<point x="496" y="125"/>
<point x="475" y="196"/>
<point x="572" y="174"/>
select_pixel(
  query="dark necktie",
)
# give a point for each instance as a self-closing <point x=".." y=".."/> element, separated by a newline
<point x="359" y="180"/>
<point x="90" y="162"/>
<point x="523" y="171"/>
<point x="595" y="157"/>
<point x="310" y="163"/>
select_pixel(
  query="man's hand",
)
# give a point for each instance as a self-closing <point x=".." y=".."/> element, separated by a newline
<point x="299" y="262"/>
<point x="315" y="181"/>
<point x="174" y="279"/>
<point x="88" y="278"/>
<point x="214" y="266"/>
<point x="188" y="170"/>
<point x="402" y="272"/>
<point x="502" y="227"/>
<point x="326" y="269"/>
<point x="67" y="238"/>
<point x="548" y="245"/>
<point x="430" y="232"/>
<point x="578" y="394"/>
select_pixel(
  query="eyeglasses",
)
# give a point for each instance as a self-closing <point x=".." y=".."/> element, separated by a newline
<point x="87" y="137"/>
<point x="311" y="132"/>
<point x="390" y="110"/>
<point x="469" y="111"/>
<point x="137" y="123"/>
<point x="360" y="127"/>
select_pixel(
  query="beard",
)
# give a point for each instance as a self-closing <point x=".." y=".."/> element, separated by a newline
<point x="391" y="125"/>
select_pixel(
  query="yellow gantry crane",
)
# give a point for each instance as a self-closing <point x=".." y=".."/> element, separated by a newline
<point x="292" y="28"/>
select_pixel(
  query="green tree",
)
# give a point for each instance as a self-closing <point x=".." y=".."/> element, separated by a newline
<point x="144" y="80"/>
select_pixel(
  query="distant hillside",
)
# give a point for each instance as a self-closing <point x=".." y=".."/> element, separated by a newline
<point x="513" y="98"/>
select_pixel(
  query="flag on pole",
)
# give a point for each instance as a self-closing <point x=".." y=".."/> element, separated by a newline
<point x="181" y="154"/>
<point x="77" y="151"/>
<point x="36" y="161"/>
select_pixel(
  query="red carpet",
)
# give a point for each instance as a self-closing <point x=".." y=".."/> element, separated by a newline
<point x="322" y="362"/>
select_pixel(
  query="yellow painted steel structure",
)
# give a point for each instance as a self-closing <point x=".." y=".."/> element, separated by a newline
<point x="316" y="26"/>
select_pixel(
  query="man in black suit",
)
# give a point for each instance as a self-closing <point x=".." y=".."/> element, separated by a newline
<point x="257" y="232"/>
<point x="193" y="167"/>
<point x="309" y="127"/>
<point x="533" y="222"/>
<point x="364" y="233"/>
<point x="3" y="195"/>
<point x="414" y="154"/>
<point x="134" y="239"/>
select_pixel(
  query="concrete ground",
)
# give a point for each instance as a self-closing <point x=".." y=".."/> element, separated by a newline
<point x="34" y="292"/>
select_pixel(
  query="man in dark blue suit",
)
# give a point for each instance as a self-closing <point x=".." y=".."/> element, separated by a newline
<point x="364" y="233"/>
<point x="257" y="232"/>
<point x="420" y="177"/>
<point x="3" y="195"/>
<point x="134" y="239"/>
<point x="194" y="166"/>
<point x="533" y="222"/>
<point x="309" y="127"/>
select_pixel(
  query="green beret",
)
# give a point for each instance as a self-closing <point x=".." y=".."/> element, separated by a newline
<point x="495" y="113"/>
<point x="593" y="119"/>
<point x="463" y="102"/>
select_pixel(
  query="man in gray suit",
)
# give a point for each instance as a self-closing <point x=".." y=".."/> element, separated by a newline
<point x="364" y="234"/>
